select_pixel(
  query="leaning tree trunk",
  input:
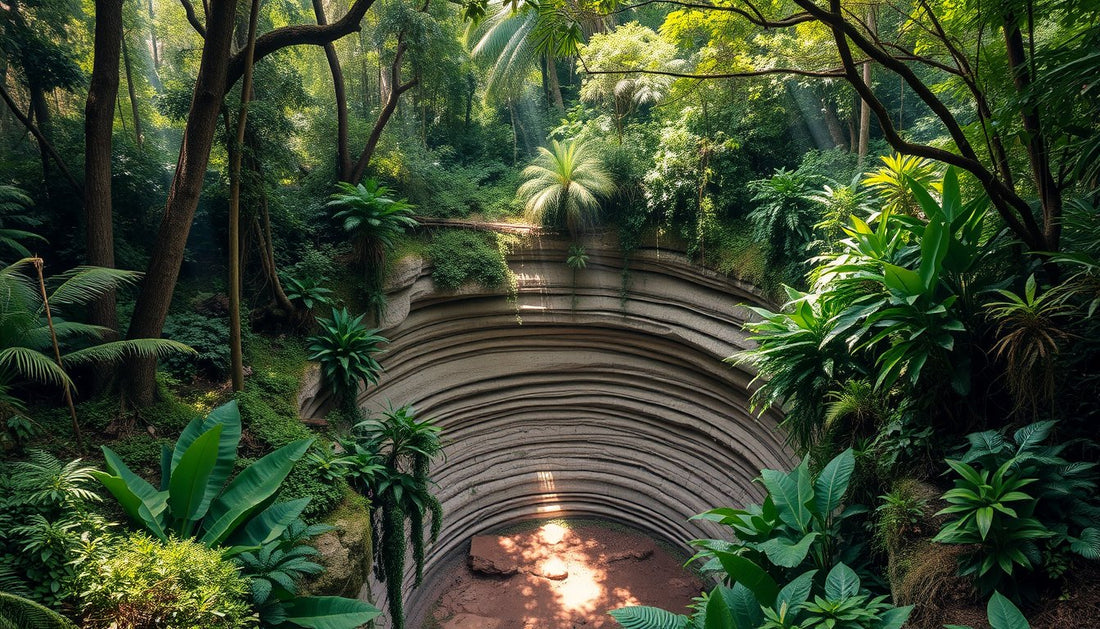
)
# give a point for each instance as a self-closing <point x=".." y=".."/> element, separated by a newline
<point x="183" y="196"/>
<point x="99" y="116"/>
<point x="343" y="159"/>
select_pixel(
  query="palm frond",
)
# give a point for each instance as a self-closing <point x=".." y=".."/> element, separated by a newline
<point x="116" y="351"/>
<point x="32" y="365"/>
<point x="88" y="283"/>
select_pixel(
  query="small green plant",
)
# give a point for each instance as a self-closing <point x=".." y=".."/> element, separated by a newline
<point x="276" y="571"/>
<point x="1003" y="522"/>
<point x="373" y="219"/>
<point x="308" y="291"/>
<point x="993" y="514"/>
<point x="899" y="515"/>
<point x="145" y="583"/>
<point x="797" y="525"/>
<point x="461" y="256"/>
<point x="346" y="349"/>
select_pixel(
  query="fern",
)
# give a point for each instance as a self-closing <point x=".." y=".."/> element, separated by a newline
<point x="19" y="613"/>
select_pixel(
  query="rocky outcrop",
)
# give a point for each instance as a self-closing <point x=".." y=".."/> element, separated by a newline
<point x="607" y="398"/>
<point x="345" y="551"/>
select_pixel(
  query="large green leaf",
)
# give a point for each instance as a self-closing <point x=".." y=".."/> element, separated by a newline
<point x="717" y="612"/>
<point x="787" y="553"/>
<point x="1004" y="615"/>
<point x="228" y="416"/>
<point x="329" y="612"/>
<point x="791" y="492"/>
<point x="131" y="503"/>
<point x="933" y="249"/>
<point x="842" y="582"/>
<point x="894" y="618"/>
<point x="795" y="593"/>
<point x="249" y="491"/>
<point x="642" y="617"/>
<point x="743" y="606"/>
<point x="187" y="489"/>
<point x="902" y="280"/>
<point x="744" y="571"/>
<point x="153" y="503"/>
<point x="269" y="524"/>
<point x="832" y="483"/>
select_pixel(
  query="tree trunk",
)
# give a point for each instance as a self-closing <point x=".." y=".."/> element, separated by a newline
<point x="98" y="123"/>
<point x="236" y="356"/>
<point x="154" y="45"/>
<point x="183" y="196"/>
<point x="343" y="158"/>
<point x="1050" y="196"/>
<point x="555" y="85"/>
<point x="865" y="107"/>
<point x="832" y="123"/>
<point x="139" y="137"/>
<point x="397" y="88"/>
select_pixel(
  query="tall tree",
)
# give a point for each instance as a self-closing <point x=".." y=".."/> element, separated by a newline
<point x="99" y="116"/>
<point x="217" y="71"/>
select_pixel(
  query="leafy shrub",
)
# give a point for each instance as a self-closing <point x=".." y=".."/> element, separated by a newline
<point x="1011" y="492"/>
<point x="461" y="256"/>
<point x="345" y="347"/>
<point x="145" y="583"/>
<point x="208" y="336"/>
<point x="797" y="525"/>
<point x="47" y="523"/>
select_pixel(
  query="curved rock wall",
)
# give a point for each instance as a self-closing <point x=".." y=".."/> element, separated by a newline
<point x="585" y="401"/>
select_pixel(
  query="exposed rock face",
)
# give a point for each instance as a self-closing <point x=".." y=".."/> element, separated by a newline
<point x="586" y="400"/>
<point x="488" y="557"/>
<point x="345" y="553"/>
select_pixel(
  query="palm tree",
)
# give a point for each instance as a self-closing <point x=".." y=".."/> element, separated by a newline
<point x="33" y="326"/>
<point x="564" y="185"/>
<point x="373" y="219"/>
<point x="402" y="447"/>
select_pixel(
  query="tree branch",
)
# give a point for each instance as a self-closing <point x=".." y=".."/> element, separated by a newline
<point x="300" y="34"/>
<point x="193" y="19"/>
<point x="42" y="141"/>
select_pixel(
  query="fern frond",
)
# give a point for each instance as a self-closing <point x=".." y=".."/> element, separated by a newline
<point x="116" y="351"/>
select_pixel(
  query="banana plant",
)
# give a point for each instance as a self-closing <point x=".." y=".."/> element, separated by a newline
<point x="194" y="499"/>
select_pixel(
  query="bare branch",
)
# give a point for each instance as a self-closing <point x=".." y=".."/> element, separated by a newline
<point x="193" y="19"/>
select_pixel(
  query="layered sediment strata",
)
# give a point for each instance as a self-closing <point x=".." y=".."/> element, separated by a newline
<point x="578" y="395"/>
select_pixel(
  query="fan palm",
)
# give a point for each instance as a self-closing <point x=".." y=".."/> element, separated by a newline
<point x="29" y="324"/>
<point x="564" y="185"/>
<point x="14" y="204"/>
<point x="373" y="219"/>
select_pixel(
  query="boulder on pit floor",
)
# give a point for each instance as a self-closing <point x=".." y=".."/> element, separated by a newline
<point x="489" y="557"/>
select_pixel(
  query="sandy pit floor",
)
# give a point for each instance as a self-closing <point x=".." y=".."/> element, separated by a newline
<point x="560" y="576"/>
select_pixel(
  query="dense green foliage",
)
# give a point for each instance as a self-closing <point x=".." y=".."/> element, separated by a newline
<point x="913" y="185"/>
<point x="459" y="257"/>
<point x="174" y="583"/>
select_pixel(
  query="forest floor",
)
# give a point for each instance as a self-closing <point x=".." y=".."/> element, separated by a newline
<point x="560" y="577"/>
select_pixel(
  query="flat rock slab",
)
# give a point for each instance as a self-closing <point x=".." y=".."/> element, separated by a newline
<point x="546" y="552"/>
